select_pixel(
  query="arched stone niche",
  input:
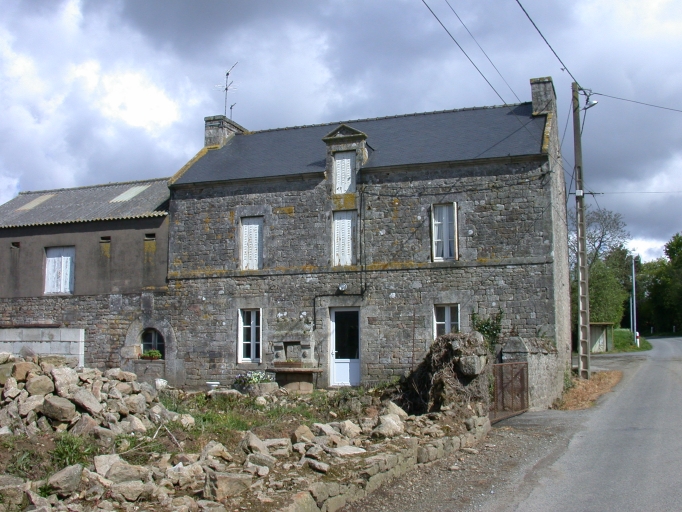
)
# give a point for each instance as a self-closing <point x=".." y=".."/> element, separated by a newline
<point x="170" y="368"/>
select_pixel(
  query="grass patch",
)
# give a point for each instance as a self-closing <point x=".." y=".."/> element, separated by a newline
<point x="622" y="342"/>
<point x="70" y="449"/>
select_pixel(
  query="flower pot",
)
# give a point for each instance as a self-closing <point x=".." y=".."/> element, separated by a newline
<point x="288" y="364"/>
<point x="263" y="388"/>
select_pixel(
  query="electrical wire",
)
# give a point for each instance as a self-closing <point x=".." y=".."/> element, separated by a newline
<point x="484" y="53"/>
<point x="635" y="101"/>
<point x="464" y="52"/>
<point x="547" y="42"/>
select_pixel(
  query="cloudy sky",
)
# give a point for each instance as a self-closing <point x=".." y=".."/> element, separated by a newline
<point x="99" y="91"/>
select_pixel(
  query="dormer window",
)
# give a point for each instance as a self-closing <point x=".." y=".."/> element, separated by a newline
<point x="344" y="172"/>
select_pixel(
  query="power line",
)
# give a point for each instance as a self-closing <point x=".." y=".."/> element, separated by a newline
<point x="481" y="48"/>
<point x="465" y="53"/>
<point x="635" y="101"/>
<point x="547" y="42"/>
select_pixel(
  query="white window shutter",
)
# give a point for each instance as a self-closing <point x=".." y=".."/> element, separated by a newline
<point x="344" y="166"/>
<point x="252" y="243"/>
<point x="343" y="238"/>
<point x="455" y="236"/>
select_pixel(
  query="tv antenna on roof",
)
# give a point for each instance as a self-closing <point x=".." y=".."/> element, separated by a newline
<point x="231" y="107"/>
<point x="227" y="88"/>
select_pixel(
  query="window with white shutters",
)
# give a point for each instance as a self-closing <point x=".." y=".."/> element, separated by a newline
<point x="444" y="231"/>
<point x="252" y="243"/>
<point x="445" y="319"/>
<point x="344" y="172"/>
<point x="249" y="336"/>
<point x="59" y="264"/>
<point x="343" y="238"/>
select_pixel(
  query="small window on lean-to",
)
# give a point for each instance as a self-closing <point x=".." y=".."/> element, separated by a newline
<point x="153" y="340"/>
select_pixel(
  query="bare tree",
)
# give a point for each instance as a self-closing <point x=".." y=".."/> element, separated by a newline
<point x="605" y="232"/>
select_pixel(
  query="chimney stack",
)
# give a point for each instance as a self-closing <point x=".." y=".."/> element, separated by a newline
<point x="218" y="130"/>
<point x="544" y="97"/>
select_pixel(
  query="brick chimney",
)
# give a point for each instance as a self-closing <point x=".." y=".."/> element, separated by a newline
<point x="220" y="129"/>
<point x="544" y="97"/>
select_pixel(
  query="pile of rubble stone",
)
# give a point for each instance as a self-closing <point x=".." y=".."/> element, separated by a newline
<point x="265" y="473"/>
<point x="41" y="395"/>
<point x="381" y="442"/>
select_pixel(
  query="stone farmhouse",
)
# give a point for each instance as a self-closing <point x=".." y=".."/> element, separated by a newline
<point x="343" y="248"/>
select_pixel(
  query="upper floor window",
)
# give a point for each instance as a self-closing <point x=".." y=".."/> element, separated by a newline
<point x="252" y="243"/>
<point x="344" y="172"/>
<point x="249" y="335"/>
<point x="444" y="231"/>
<point x="446" y="319"/>
<point x="59" y="264"/>
<point x="344" y="223"/>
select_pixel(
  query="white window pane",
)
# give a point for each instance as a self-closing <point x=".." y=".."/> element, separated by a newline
<point x="444" y="231"/>
<point x="59" y="265"/>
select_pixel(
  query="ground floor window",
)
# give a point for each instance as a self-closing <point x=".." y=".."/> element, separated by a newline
<point x="153" y="340"/>
<point x="249" y="335"/>
<point x="446" y="319"/>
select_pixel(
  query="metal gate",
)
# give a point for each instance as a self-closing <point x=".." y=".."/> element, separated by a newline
<point x="510" y="393"/>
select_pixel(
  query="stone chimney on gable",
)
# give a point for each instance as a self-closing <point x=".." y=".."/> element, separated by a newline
<point x="219" y="129"/>
<point x="543" y="94"/>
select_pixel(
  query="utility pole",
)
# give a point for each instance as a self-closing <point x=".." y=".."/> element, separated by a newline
<point x="583" y="289"/>
<point x="634" y="304"/>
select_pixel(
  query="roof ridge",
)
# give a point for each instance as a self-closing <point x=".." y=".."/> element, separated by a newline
<point x="101" y="185"/>
<point x="336" y="123"/>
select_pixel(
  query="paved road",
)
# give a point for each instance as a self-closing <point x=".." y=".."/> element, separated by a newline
<point x="626" y="453"/>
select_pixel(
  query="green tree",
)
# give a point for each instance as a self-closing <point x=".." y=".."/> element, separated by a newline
<point x="660" y="289"/>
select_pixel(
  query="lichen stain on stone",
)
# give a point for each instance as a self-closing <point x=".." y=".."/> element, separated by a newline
<point x="343" y="201"/>
<point x="283" y="210"/>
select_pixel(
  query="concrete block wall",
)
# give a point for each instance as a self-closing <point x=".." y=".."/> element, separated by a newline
<point x="65" y="342"/>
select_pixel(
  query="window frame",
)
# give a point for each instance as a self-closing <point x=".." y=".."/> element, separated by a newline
<point x="447" y="321"/>
<point x="453" y="231"/>
<point x="337" y="259"/>
<point x="155" y="341"/>
<point x="247" y="262"/>
<point x="257" y="323"/>
<point x="338" y="187"/>
<point x="63" y="287"/>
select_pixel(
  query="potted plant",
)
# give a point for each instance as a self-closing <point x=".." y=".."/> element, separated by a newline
<point x="255" y="383"/>
<point x="151" y="355"/>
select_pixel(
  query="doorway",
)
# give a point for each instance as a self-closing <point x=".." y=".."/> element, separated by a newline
<point x="345" y="347"/>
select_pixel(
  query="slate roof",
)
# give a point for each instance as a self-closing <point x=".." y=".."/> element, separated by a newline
<point x="113" y="201"/>
<point x="432" y="137"/>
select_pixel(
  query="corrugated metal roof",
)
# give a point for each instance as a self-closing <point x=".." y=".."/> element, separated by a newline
<point x="432" y="137"/>
<point x="113" y="201"/>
